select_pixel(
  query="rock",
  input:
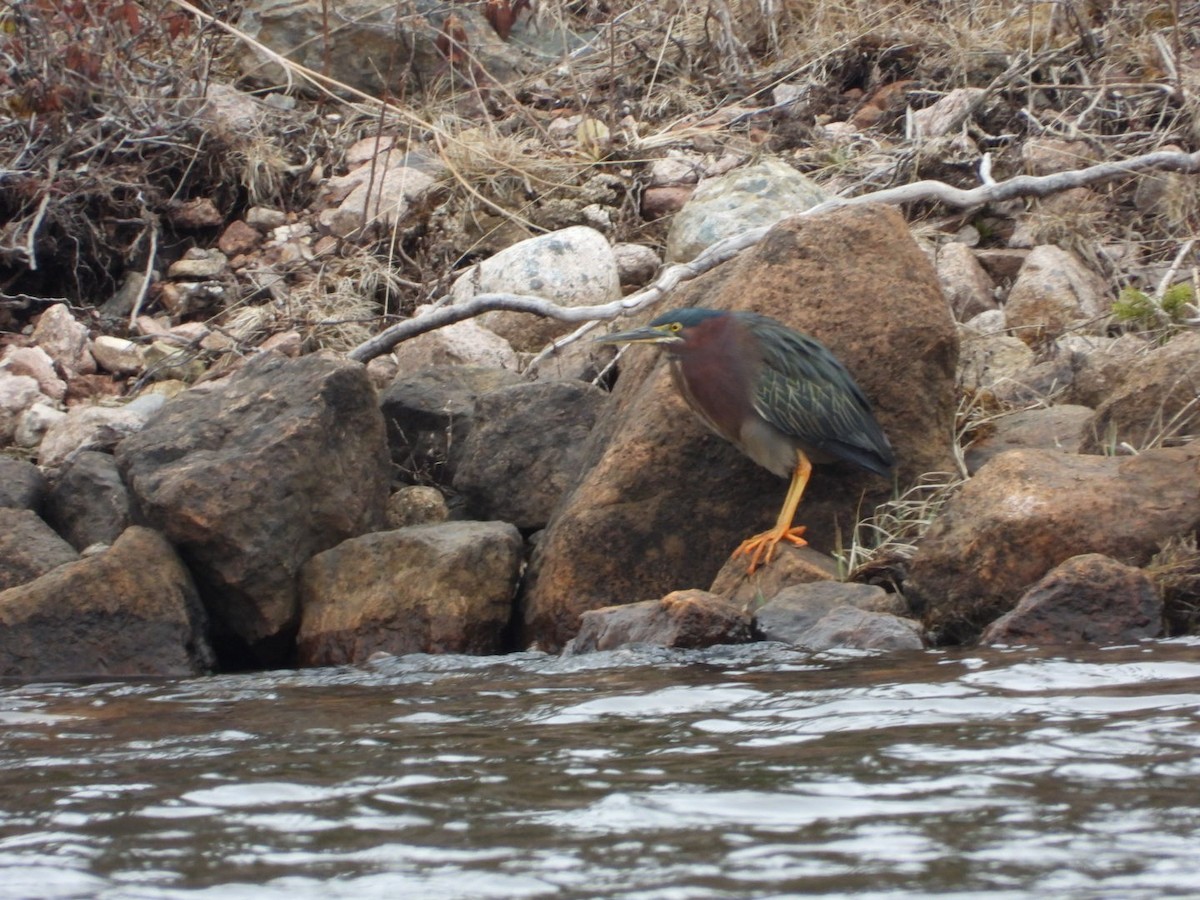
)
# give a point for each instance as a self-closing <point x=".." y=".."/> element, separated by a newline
<point x="22" y="484"/>
<point x="1155" y="402"/>
<point x="572" y="267"/>
<point x="947" y="115"/>
<point x="131" y="610"/>
<point x="1029" y="510"/>
<point x="29" y="548"/>
<point x="1101" y="364"/>
<point x="1003" y="264"/>
<point x="791" y="566"/>
<point x="383" y="50"/>
<point x="252" y="477"/>
<point x="757" y="195"/>
<point x="87" y="502"/>
<point x="192" y="215"/>
<point x="661" y="502"/>
<point x="416" y="504"/>
<point x="199" y="264"/>
<point x="846" y="627"/>
<point x="966" y="285"/>
<point x="33" y="424"/>
<point x="665" y="201"/>
<point x="674" y="168"/>
<point x="1043" y="428"/>
<point x="465" y="343"/>
<point x="385" y="196"/>
<point x="1085" y="598"/>
<point x="17" y="394"/>
<point x="637" y="264"/>
<point x="829" y="614"/>
<point x="991" y="361"/>
<point x="238" y="238"/>
<point x="444" y="588"/>
<point x="525" y="450"/>
<point x="1054" y="292"/>
<point x="117" y="355"/>
<point x="87" y="428"/>
<point x="35" y="363"/>
<point x="429" y="414"/>
<point x="65" y="340"/>
<point x="265" y="219"/>
<point x="683" y="619"/>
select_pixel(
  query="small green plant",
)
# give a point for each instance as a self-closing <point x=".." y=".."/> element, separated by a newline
<point x="1141" y="310"/>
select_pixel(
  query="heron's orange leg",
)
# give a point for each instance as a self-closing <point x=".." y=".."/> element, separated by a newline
<point x="761" y="547"/>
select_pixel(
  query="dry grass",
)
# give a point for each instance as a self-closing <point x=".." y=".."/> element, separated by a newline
<point x="91" y="166"/>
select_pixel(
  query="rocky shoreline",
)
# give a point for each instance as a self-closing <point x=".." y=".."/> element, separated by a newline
<point x="187" y="485"/>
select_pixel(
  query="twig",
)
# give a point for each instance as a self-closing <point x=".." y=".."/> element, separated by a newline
<point x="1021" y="186"/>
<point x="151" y="253"/>
<point x="31" y="238"/>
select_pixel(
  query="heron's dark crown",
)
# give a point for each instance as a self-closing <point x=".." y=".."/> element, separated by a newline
<point x="688" y="317"/>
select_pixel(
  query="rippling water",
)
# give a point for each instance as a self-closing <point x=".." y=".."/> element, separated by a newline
<point x="740" y="772"/>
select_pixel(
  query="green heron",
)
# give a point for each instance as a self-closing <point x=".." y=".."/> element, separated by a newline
<point x="779" y="396"/>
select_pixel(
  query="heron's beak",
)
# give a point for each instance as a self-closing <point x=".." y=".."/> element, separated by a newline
<point x="647" y="334"/>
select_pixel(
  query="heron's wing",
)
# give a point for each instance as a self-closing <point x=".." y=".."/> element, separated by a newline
<point x="804" y="391"/>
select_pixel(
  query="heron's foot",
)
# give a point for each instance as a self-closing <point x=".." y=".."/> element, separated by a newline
<point x="761" y="547"/>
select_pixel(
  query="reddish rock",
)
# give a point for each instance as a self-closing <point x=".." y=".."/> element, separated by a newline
<point x="131" y="610"/>
<point x="195" y="214"/>
<point x="662" y="502"/>
<point x="444" y="588"/>
<point x="1086" y="598"/>
<point x="29" y="548"/>
<point x="239" y="238"/>
<point x="682" y="619"/>
<point x="791" y="566"/>
<point x="1154" y="401"/>
<point x="665" y="201"/>
<point x="252" y="477"/>
<point x="1029" y="510"/>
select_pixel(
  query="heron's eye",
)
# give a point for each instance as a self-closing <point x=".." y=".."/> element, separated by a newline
<point x="675" y="327"/>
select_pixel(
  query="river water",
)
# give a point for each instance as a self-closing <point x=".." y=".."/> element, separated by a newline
<point x="757" y="771"/>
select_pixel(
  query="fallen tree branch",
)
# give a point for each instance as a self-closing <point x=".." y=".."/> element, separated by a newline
<point x="668" y="279"/>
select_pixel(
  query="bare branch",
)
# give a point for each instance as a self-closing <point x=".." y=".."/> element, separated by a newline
<point x="668" y="279"/>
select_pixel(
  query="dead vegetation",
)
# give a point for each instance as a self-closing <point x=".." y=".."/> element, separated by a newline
<point x="108" y="144"/>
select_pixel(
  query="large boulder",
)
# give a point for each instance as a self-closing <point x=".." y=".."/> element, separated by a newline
<point x="251" y="478"/>
<point x="525" y="449"/>
<point x="131" y="610"/>
<point x="575" y="266"/>
<point x="444" y="588"/>
<point x="1029" y="510"/>
<point x="662" y="502"/>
